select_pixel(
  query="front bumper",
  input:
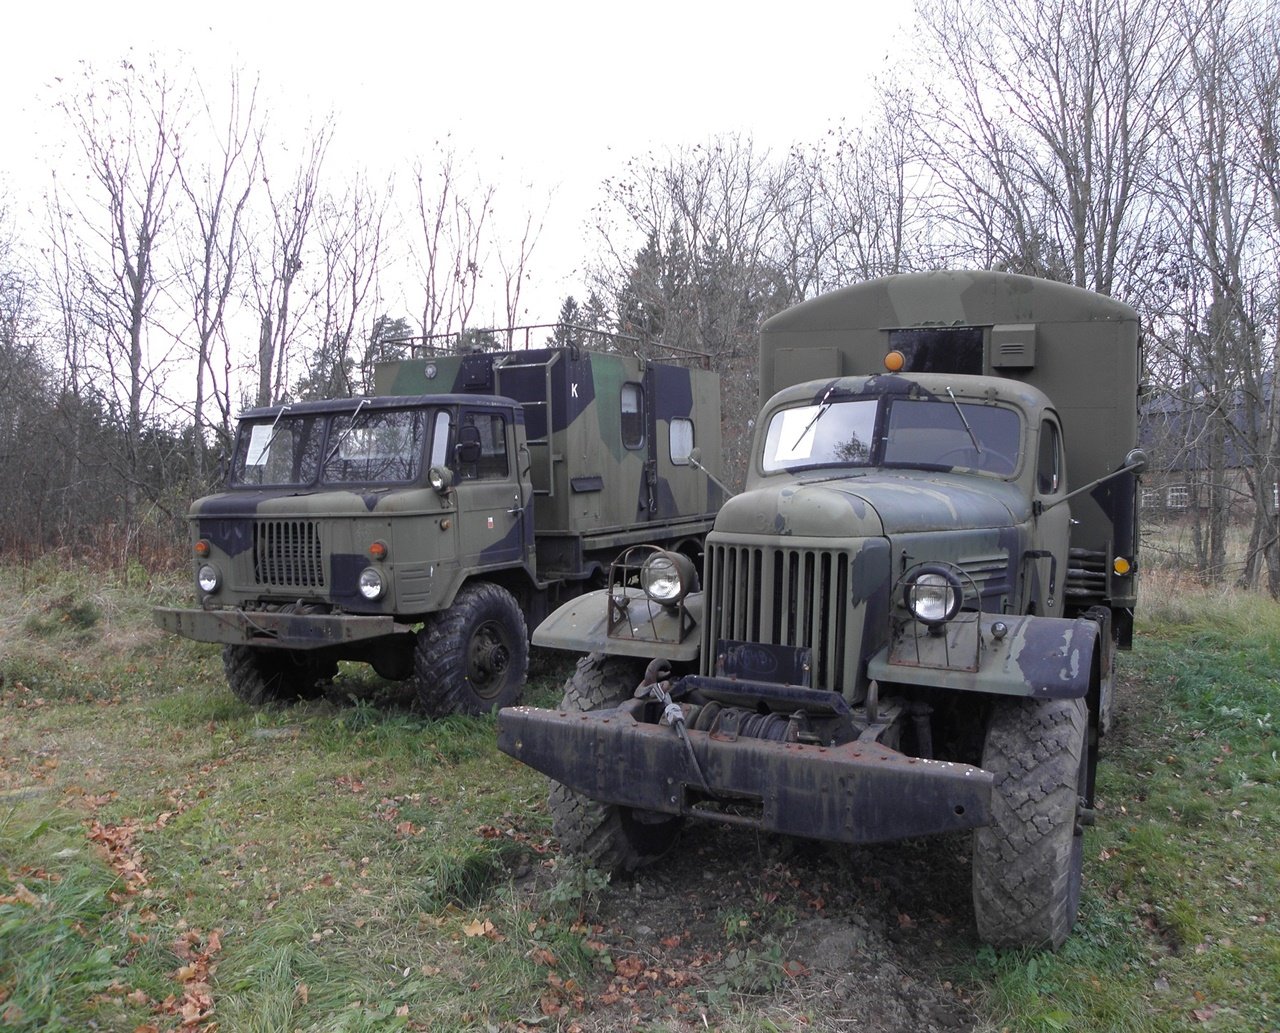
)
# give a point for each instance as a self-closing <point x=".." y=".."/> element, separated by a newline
<point x="279" y="629"/>
<point x="859" y="792"/>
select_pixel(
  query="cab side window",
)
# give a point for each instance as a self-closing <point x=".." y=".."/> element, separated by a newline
<point x="633" y="416"/>
<point x="1049" y="464"/>
<point x="482" y="446"/>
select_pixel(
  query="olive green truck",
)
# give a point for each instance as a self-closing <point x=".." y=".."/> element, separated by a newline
<point x="425" y="529"/>
<point x="904" y="625"/>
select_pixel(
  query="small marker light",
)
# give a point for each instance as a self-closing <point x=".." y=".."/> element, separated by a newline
<point x="378" y="551"/>
<point x="894" y="361"/>
<point x="1121" y="566"/>
<point x="202" y="549"/>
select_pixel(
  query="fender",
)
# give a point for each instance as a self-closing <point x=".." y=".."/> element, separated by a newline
<point x="639" y="627"/>
<point x="1035" y="657"/>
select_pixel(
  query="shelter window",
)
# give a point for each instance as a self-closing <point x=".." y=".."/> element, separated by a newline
<point x="1178" y="496"/>
<point x="939" y="349"/>
<point x="681" y="440"/>
<point x="633" y="419"/>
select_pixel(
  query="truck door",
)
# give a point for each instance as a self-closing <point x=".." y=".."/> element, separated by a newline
<point x="490" y="506"/>
<point x="1052" y="529"/>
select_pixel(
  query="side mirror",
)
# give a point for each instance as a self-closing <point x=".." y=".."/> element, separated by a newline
<point x="467" y="450"/>
<point x="1136" y="460"/>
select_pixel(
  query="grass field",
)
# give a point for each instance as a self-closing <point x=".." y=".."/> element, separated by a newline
<point x="172" y="859"/>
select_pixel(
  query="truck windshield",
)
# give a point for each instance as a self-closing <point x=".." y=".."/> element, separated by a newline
<point x="363" y="447"/>
<point x="277" y="451"/>
<point x="375" y="447"/>
<point x="937" y="434"/>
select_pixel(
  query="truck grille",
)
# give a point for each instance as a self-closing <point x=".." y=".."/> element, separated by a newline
<point x="287" y="554"/>
<point x="791" y="597"/>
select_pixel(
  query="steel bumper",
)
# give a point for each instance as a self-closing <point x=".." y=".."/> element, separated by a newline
<point x="855" y="793"/>
<point x="284" y="630"/>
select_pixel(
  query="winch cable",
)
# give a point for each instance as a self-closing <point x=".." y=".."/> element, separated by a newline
<point x="656" y="676"/>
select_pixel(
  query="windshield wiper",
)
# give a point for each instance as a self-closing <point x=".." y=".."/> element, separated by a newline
<point x="823" y="406"/>
<point x="275" y="431"/>
<point x="969" y="430"/>
<point x="343" y="436"/>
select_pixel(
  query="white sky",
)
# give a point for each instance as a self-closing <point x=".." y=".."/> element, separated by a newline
<point x="557" y="94"/>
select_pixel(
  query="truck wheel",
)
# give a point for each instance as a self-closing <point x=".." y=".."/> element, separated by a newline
<point x="1027" y="865"/>
<point x="606" y="836"/>
<point x="473" y="657"/>
<point x="261" y="676"/>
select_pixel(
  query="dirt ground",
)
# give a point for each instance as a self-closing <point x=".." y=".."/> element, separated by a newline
<point x="739" y="929"/>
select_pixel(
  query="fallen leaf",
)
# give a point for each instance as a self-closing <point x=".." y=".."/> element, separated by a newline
<point x="629" y="968"/>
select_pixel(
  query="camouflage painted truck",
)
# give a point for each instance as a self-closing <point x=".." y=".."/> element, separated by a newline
<point x="905" y="623"/>
<point x="423" y="530"/>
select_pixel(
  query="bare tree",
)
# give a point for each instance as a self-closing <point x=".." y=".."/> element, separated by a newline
<point x="113" y="238"/>
<point x="350" y="236"/>
<point x="1043" y="128"/>
<point x="1214" y="189"/>
<point x="453" y="247"/>
<point x="695" y="255"/>
<point x="274" y="272"/>
<point x="217" y="193"/>
<point x="513" y="260"/>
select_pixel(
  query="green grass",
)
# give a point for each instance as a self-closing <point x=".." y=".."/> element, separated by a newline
<point x="352" y="865"/>
<point x="1180" y="928"/>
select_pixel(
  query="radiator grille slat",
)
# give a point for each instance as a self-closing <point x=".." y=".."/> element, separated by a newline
<point x="287" y="554"/>
<point x="792" y="597"/>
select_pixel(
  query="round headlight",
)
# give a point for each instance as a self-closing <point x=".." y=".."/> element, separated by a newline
<point x="667" y="577"/>
<point x="208" y="578"/>
<point x="933" y="596"/>
<point x="371" y="584"/>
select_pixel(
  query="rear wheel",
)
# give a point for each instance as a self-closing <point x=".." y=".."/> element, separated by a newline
<point x="473" y="657"/>
<point x="606" y="836"/>
<point x="260" y="676"/>
<point x="1027" y="865"/>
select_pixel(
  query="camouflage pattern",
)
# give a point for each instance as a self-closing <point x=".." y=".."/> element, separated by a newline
<point x="808" y="570"/>
<point x="576" y="483"/>
<point x="587" y="479"/>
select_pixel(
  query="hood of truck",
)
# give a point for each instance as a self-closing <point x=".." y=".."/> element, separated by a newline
<point x="879" y="503"/>
<point x="330" y="502"/>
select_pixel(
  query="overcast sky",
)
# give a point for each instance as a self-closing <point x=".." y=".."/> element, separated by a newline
<point x="556" y="95"/>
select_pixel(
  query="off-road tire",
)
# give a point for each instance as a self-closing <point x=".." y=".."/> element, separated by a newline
<point x="1027" y="865"/>
<point x="473" y="657"/>
<point x="261" y="676"/>
<point x="606" y="836"/>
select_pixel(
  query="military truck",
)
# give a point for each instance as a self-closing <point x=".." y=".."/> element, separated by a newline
<point x="904" y="625"/>
<point x="423" y="529"/>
